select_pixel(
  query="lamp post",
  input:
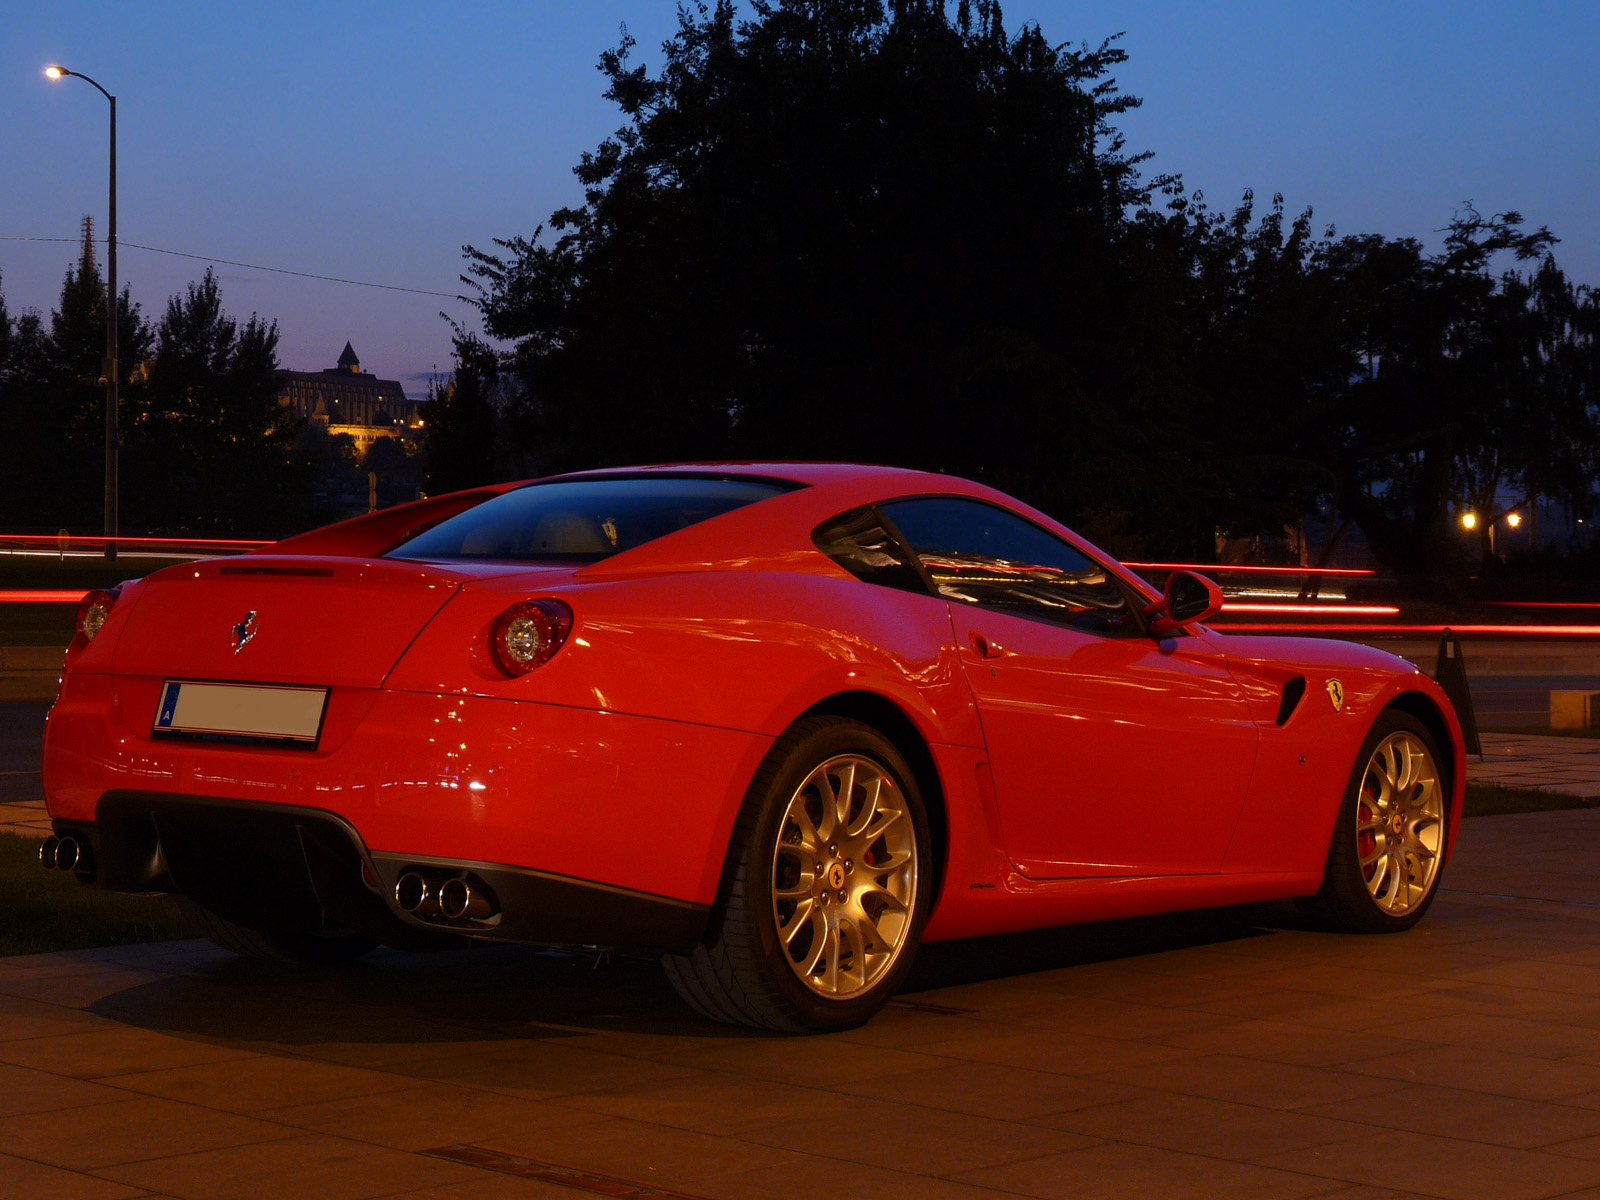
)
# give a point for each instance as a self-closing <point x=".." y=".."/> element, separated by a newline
<point x="110" y="366"/>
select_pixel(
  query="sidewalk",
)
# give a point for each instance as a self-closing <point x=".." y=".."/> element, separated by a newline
<point x="1549" y="763"/>
<point x="1192" y="1056"/>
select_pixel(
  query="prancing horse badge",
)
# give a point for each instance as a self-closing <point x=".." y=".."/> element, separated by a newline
<point x="1336" y="694"/>
<point x="244" y="631"/>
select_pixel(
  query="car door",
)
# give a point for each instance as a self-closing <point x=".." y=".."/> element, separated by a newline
<point x="1112" y="753"/>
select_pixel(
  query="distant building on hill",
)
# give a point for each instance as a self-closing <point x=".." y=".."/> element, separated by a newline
<point x="346" y="399"/>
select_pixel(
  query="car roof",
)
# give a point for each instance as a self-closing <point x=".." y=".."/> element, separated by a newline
<point x="811" y="473"/>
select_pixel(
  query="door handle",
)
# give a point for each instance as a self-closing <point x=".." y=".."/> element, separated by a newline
<point x="986" y="648"/>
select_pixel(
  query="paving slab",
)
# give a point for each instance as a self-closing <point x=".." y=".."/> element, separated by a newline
<point x="1226" y="1052"/>
<point x="1229" y="1052"/>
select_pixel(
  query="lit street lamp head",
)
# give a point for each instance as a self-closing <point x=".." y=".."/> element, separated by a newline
<point x="55" y="72"/>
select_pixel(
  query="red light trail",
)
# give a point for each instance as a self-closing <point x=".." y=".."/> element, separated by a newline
<point x="1354" y="610"/>
<point x="1221" y="568"/>
<point x="41" y="597"/>
<point x="1567" y="631"/>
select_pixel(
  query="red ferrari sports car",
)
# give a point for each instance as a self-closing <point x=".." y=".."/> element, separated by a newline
<point x="778" y="723"/>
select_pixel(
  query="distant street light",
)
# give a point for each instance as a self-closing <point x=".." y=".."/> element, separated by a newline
<point x="1513" y="519"/>
<point x="109" y="367"/>
<point x="1469" y="520"/>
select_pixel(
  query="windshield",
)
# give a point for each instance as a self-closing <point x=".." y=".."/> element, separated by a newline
<point x="584" y="520"/>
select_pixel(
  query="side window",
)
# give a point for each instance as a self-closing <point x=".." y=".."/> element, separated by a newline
<point x="981" y="554"/>
<point x="859" y="543"/>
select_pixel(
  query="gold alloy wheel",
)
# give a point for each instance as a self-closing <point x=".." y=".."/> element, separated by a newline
<point x="844" y="876"/>
<point x="1400" y="823"/>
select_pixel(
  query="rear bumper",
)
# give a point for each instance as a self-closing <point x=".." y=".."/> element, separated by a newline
<point x="630" y="805"/>
<point x="280" y="867"/>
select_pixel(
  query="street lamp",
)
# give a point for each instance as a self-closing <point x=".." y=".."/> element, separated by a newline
<point x="1469" y="520"/>
<point x="110" y="366"/>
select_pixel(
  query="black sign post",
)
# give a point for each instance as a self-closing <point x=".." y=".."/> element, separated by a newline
<point x="1451" y="676"/>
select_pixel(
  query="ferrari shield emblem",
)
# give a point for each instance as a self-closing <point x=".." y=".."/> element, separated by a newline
<point x="1336" y="694"/>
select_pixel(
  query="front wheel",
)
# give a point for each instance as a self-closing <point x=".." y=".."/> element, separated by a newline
<point x="827" y="888"/>
<point x="1388" y="844"/>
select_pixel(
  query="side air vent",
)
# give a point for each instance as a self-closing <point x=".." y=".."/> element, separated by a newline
<point x="1293" y="691"/>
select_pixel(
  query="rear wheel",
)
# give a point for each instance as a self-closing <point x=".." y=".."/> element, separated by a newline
<point x="307" y="947"/>
<point x="1388" y="845"/>
<point x="827" y="887"/>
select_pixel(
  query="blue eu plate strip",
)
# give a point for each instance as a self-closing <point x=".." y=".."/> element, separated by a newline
<point x="169" y="705"/>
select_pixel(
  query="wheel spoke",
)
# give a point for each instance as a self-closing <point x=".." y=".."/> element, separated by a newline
<point x="810" y="839"/>
<point x="850" y="938"/>
<point x="825" y="936"/>
<point x="1380" y="848"/>
<point x="1375" y="884"/>
<point x="800" y="890"/>
<point x="1405" y="771"/>
<point x="881" y="944"/>
<point x="869" y="809"/>
<point x="892" y="861"/>
<point x="802" y="918"/>
<point x="880" y="894"/>
<point x="884" y="817"/>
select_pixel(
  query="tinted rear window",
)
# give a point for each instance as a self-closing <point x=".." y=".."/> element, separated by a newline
<point x="583" y="520"/>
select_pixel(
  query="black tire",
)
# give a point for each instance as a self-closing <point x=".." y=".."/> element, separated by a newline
<point x="1344" y="903"/>
<point x="741" y="974"/>
<point x="309" y="949"/>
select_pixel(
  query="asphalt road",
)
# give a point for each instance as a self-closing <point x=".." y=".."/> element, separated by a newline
<point x="1509" y="701"/>
<point x="21" y="731"/>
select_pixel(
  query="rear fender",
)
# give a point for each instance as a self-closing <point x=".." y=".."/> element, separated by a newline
<point x="746" y="651"/>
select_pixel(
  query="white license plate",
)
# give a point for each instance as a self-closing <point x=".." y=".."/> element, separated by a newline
<point x="241" y="710"/>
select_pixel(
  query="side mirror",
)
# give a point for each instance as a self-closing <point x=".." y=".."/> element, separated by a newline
<point x="1188" y="598"/>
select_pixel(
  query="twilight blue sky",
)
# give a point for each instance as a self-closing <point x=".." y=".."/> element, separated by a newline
<point x="371" y="140"/>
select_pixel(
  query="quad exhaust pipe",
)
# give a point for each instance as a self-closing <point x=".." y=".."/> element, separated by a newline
<point x="458" y="899"/>
<point x="62" y="854"/>
<point x="435" y="895"/>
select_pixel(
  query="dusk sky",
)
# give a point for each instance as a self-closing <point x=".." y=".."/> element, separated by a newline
<point x="370" y="141"/>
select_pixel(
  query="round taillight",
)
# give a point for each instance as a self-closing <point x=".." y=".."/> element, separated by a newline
<point x="93" y="610"/>
<point x="528" y="634"/>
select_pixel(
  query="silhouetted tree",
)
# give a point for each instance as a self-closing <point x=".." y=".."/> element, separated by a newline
<point x="460" y="426"/>
<point x="215" y="449"/>
<point x="52" y="402"/>
<point x="834" y="230"/>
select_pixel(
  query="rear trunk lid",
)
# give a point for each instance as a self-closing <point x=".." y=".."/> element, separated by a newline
<point x="281" y="619"/>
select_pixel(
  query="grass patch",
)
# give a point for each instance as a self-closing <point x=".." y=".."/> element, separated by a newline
<point x="1492" y="800"/>
<point x="41" y="910"/>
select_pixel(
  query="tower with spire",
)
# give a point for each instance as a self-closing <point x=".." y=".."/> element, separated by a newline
<point x="86" y="260"/>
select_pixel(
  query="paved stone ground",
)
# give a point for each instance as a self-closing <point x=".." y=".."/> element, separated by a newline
<point x="1226" y="1053"/>
<point x="1548" y="762"/>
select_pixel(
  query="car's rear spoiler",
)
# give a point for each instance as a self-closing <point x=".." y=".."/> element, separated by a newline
<point x="375" y="533"/>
